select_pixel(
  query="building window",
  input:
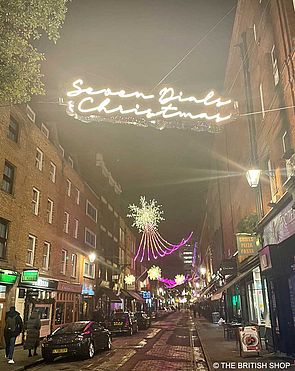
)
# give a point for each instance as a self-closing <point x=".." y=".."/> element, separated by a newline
<point x="3" y="237"/>
<point x="66" y="222"/>
<point x="91" y="211"/>
<point x="52" y="172"/>
<point x="62" y="151"/>
<point x="74" y="265"/>
<point x="275" y="69"/>
<point x="76" y="228"/>
<point x="122" y="236"/>
<point x="46" y="255"/>
<point x="49" y="211"/>
<point x="90" y="238"/>
<point x="261" y="99"/>
<point x="77" y="196"/>
<point x="64" y="254"/>
<point x="71" y="162"/>
<point x="294" y="5"/>
<point x="13" y="129"/>
<point x="272" y="180"/>
<point x="89" y="269"/>
<point x="8" y="177"/>
<point x="35" y="201"/>
<point x="39" y="159"/>
<point x="45" y="130"/>
<point x="31" y="250"/>
<point x="31" y="114"/>
<point x="69" y="187"/>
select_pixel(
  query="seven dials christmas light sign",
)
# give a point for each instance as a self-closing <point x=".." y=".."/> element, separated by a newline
<point x="165" y="109"/>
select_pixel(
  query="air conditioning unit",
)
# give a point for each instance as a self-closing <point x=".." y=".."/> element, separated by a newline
<point x="31" y="114"/>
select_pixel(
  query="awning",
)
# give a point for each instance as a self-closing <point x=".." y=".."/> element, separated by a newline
<point x="125" y="294"/>
<point x="217" y="296"/>
<point x="110" y="293"/>
<point x="232" y="282"/>
<point x="132" y="295"/>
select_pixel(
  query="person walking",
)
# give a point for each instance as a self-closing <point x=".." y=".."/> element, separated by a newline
<point x="13" y="327"/>
<point x="194" y="310"/>
<point x="33" y="333"/>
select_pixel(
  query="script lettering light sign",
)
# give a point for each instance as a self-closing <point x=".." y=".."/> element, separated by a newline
<point x="165" y="109"/>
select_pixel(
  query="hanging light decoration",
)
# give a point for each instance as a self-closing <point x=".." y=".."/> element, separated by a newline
<point x="154" y="273"/>
<point x="129" y="279"/>
<point x="147" y="217"/>
<point x="179" y="279"/>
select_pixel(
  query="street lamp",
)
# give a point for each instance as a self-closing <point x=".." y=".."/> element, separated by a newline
<point x="92" y="257"/>
<point x="253" y="176"/>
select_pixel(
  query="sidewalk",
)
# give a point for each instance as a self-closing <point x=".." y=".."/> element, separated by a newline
<point x="21" y="359"/>
<point x="218" y="350"/>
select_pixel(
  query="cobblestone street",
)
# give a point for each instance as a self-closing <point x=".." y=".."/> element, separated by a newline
<point x="170" y="344"/>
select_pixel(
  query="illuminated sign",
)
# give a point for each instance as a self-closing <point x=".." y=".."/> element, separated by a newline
<point x="165" y="109"/>
<point x="247" y="244"/>
<point x="8" y="277"/>
<point x="30" y="275"/>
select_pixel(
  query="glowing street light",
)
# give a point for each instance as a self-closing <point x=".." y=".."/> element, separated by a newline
<point x="203" y="271"/>
<point x="92" y="257"/>
<point x="253" y="176"/>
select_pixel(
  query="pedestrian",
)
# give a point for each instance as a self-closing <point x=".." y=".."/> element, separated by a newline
<point x="33" y="333"/>
<point x="199" y="310"/>
<point x="195" y="310"/>
<point x="13" y="327"/>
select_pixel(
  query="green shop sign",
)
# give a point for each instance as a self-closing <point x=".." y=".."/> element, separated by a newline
<point x="30" y="275"/>
<point x="7" y="277"/>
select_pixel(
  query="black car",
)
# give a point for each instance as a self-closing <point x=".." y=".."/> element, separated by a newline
<point x="123" y="322"/>
<point x="143" y="320"/>
<point x="77" y="338"/>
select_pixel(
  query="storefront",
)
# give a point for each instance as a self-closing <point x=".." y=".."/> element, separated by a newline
<point x="38" y="295"/>
<point x="87" y="305"/>
<point x="107" y="300"/>
<point x="7" y="280"/>
<point x="68" y="299"/>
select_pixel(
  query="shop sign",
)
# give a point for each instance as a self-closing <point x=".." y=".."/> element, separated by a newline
<point x="69" y="287"/>
<point x="8" y="277"/>
<point x="265" y="259"/>
<point x="87" y="290"/>
<point x="247" y="245"/>
<point x="30" y="275"/>
<point x="228" y="267"/>
<point x="281" y="227"/>
<point x="41" y="283"/>
<point x="146" y="294"/>
<point x="249" y="340"/>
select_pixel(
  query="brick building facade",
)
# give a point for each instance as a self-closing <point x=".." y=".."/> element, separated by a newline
<point x="260" y="77"/>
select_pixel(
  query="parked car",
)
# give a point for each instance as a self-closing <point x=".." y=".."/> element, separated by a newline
<point x="123" y="322"/>
<point x="143" y="320"/>
<point x="78" y="338"/>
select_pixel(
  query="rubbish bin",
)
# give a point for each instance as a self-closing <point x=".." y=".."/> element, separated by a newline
<point x="215" y="317"/>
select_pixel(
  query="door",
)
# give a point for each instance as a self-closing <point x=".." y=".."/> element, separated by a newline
<point x="45" y="313"/>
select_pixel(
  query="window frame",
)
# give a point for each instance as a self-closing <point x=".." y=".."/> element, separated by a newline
<point x="89" y="271"/>
<point x="69" y="187"/>
<point x="34" y="239"/>
<point x="13" y="134"/>
<point x="47" y="256"/>
<point x="63" y="268"/>
<point x="52" y="175"/>
<point x="77" y="196"/>
<point x="3" y="240"/>
<point x="262" y="100"/>
<point x="6" y="179"/>
<point x="36" y="205"/>
<point x="76" y="228"/>
<point x="71" y="162"/>
<point x="88" y="203"/>
<point x="92" y="233"/>
<point x="50" y="212"/>
<point x="39" y="163"/>
<point x="66" y="222"/>
<point x="44" y="130"/>
<point x="275" y="68"/>
<point x="74" y="265"/>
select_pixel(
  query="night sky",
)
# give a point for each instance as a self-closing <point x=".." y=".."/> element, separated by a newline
<point x="132" y="45"/>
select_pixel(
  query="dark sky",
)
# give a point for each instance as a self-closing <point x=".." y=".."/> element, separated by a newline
<point x="132" y="44"/>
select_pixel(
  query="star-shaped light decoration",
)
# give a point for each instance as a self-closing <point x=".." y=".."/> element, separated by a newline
<point x="179" y="279"/>
<point x="147" y="217"/>
<point x="154" y="273"/>
<point x="129" y="279"/>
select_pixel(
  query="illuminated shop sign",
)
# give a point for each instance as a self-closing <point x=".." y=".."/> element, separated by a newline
<point x="166" y="108"/>
<point x="8" y="277"/>
<point x="30" y="275"/>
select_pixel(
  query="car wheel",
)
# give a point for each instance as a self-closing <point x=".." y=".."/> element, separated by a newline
<point x="130" y="333"/>
<point x="109" y="343"/>
<point x="91" y="350"/>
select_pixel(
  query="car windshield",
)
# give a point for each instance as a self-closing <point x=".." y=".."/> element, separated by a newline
<point x="71" y="328"/>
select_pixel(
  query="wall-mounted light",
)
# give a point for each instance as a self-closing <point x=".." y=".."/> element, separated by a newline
<point x="253" y="176"/>
<point x="92" y="257"/>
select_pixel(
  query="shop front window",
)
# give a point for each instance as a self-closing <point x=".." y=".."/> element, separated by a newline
<point x="59" y="313"/>
<point x="69" y="312"/>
